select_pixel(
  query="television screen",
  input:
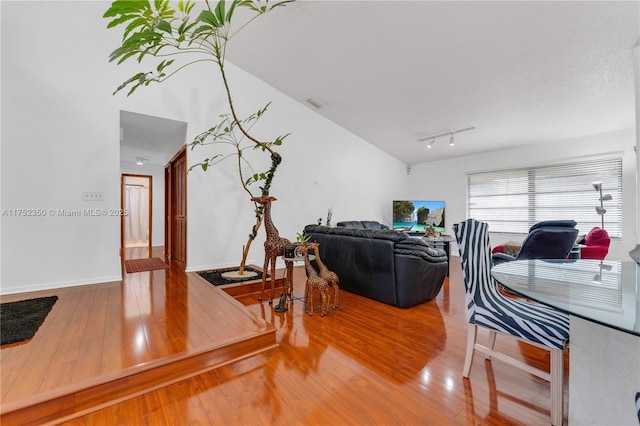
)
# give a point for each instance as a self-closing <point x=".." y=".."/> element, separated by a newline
<point x="415" y="216"/>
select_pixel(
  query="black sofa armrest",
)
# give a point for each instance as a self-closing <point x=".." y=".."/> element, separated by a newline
<point x="499" y="258"/>
<point x="417" y="281"/>
<point x="427" y="253"/>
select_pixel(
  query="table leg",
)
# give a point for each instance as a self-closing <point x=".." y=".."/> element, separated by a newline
<point x="288" y="282"/>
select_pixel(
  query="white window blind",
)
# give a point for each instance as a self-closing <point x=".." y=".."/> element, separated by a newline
<point x="511" y="201"/>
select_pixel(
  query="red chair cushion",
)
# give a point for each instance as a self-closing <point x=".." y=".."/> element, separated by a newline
<point x="597" y="244"/>
<point x="597" y="237"/>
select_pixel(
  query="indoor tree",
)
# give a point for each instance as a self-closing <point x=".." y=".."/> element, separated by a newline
<point x="177" y="38"/>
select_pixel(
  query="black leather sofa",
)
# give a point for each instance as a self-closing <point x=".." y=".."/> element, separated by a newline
<point x="381" y="264"/>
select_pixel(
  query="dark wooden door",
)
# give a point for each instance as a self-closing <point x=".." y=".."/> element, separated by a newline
<point x="177" y="203"/>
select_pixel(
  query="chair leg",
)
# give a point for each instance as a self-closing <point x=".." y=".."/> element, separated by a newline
<point x="492" y="339"/>
<point x="491" y="342"/>
<point x="472" y="334"/>
<point x="557" y="386"/>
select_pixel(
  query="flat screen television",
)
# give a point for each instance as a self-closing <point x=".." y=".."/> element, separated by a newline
<point x="416" y="215"/>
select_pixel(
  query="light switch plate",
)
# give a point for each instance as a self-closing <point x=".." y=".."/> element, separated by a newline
<point x="92" y="196"/>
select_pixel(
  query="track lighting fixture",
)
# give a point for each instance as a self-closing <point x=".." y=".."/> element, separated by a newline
<point x="450" y="134"/>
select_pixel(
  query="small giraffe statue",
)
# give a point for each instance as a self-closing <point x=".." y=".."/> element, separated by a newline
<point x="314" y="282"/>
<point x="324" y="272"/>
<point x="273" y="245"/>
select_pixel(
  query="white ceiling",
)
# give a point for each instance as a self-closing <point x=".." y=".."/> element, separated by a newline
<point x="153" y="138"/>
<point x="396" y="71"/>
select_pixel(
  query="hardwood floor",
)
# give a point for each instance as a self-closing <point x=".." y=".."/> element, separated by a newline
<point x="113" y="341"/>
<point x="363" y="363"/>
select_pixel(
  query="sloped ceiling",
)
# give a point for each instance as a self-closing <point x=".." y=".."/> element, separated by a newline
<point x="154" y="139"/>
<point x="394" y="72"/>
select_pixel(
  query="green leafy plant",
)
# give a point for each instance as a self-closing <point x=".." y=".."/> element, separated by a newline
<point x="155" y="29"/>
<point x="302" y="238"/>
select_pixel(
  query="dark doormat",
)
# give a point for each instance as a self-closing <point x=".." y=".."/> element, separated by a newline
<point x="143" y="265"/>
<point x="20" y="320"/>
<point x="215" y="276"/>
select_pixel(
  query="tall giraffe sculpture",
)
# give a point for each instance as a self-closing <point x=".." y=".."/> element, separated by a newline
<point x="273" y="245"/>
<point x="324" y="272"/>
<point x="314" y="281"/>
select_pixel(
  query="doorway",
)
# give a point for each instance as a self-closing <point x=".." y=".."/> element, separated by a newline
<point x="147" y="143"/>
<point x="136" y="224"/>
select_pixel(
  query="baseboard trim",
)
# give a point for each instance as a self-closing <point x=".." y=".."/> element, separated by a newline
<point x="60" y="284"/>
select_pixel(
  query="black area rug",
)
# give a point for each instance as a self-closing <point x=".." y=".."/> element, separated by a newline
<point x="20" y="320"/>
<point x="215" y="277"/>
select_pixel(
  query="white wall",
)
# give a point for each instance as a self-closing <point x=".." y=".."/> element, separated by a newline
<point x="60" y="137"/>
<point x="157" y="211"/>
<point x="452" y="178"/>
<point x="636" y="69"/>
<point x="323" y="167"/>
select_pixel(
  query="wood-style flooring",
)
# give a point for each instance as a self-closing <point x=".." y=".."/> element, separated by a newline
<point x="363" y="363"/>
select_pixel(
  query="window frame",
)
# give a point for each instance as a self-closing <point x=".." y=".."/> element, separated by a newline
<point x="542" y="186"/>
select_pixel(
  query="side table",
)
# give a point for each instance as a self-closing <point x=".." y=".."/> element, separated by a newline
<point x="576" y="251"/>
<point x="288" y="277"/>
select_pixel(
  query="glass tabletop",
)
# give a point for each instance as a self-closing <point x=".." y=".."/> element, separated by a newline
<point x="606" y="292"/>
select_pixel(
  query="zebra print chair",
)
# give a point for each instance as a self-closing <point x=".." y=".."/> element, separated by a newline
<point x="489" y="309"/>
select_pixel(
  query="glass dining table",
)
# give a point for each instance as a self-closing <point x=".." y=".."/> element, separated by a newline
<point x="602" y="299"/>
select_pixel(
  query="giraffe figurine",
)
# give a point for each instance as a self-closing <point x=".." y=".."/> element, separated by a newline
<point x="324" y="272"/>
<point x="314" y="281"/>
<point x="273" y="245"/>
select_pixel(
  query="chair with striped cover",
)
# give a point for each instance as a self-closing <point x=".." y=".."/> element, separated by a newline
<point x="489" y="309"/>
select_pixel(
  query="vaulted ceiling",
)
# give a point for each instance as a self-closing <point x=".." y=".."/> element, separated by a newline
<point x="394" y="72"/>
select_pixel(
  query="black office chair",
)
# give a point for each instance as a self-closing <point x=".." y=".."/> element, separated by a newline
<point x="552" y="239"/>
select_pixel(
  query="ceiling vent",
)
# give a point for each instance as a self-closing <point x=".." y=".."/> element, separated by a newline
<point x="316" y="103"/>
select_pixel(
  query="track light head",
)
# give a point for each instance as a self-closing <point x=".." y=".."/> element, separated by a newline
<point x="450" y="134"/>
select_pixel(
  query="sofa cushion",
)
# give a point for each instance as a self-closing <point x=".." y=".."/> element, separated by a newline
<point x="381" y="234"/>
<point x="378" y="234"/>
<point x="350" y="224"/>
<point x="368" y="224"/>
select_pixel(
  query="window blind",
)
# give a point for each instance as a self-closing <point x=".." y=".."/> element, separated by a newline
<point x="511" y="201"/>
